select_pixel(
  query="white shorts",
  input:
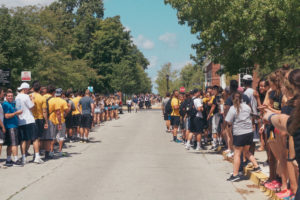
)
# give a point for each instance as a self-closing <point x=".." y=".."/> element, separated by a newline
<point x="215" y="123"/>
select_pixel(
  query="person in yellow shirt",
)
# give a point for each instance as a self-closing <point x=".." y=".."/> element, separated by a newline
<point x="175" y="116"/>
<point x="39" y="112"/>
<point x="76" y="115"/>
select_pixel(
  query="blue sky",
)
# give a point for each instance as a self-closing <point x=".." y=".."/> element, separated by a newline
<point x="154" y="28"/>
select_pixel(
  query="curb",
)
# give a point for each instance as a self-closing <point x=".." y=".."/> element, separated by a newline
<point x="256" y="177"/>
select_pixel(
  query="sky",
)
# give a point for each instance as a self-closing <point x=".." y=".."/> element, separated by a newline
<point x="153" y="26"/>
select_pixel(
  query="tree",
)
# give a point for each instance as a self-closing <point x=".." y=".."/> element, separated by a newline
<point x="239" y="34"/>
<point x="161" y="80"/>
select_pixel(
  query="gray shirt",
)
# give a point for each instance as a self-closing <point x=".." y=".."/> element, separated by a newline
<point x="241" y="123"/>
<point x="165" y="101"/>
<point x="85" y="103"/>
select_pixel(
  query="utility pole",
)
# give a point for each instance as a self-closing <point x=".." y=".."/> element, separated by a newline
<point x="167" y="77"/>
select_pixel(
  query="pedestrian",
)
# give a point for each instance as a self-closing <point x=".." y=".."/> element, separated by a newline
<point x="129" y="104"/>
<point x="166" y="115"/>
<point x="175" y="115"/>
<point x="87" y="112"/>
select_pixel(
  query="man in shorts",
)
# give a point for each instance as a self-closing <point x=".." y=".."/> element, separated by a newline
<point x="11" y="126"/>
<point x="76" y="115"/>
<point x="175" y="115"/>
<point x="196" y="121"/>
<point x="69" y="117"/>
<point x="87" y="112"/>
<point x="26" y="124"/>
<point x="214" y="112"/>
<point x="166" y="116"/>
<point x="64" y="110"/>
<point x="39" y="112"/>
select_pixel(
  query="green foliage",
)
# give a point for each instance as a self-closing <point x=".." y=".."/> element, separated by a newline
<point x="242" y="33"/>
<point x="69" y="44"/>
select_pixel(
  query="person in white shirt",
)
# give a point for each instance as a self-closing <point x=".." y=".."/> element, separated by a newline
<point x="129" y="104"/>
<point x="26" y="124"/>
<point x="196" y="122"/>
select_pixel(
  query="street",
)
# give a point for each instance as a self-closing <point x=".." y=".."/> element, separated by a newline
<point x="131" y="158"/>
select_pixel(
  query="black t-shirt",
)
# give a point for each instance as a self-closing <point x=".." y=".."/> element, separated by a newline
<point x="287" y="110"/>
<point x="229" y="101"/>
<point x="296" y="137"/>
<point x="216" y="102"/>
<point x="277" y="99"/>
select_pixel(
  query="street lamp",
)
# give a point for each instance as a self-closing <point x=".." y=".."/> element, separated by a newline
<point x="167" y="77"/>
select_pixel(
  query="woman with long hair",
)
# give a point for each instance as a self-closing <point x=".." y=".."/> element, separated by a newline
<point x="239" y="117"/>
<point x="97" y="110"/>
<point x="289" y="124"/>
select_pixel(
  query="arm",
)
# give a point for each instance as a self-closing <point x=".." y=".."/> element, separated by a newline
<point x="92" y="108"/>
<point x="279" y="121"/>
<point x="78" y="108"/>
<point x="256" y="96"/>
<point x="58" y="115"/>
<point x="213" y="107"/>
<point x="2" y="126"/>
<point x="11" y="115"/>
<point x="45" y="115"/>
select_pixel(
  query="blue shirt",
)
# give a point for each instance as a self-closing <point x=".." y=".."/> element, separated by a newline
<point x="10" y="108"/>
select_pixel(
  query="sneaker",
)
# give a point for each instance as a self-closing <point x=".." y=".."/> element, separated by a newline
<point x="230" y="155"/>
<point x="227" y="151"/>
<point x="233" y="178"/>
<point x="8" y="163"/>
<point x="177" y="141"/>
<point x="188" y="147"/>
<point x="38" y="161"/>
<point x="198" y="149"/>
<point x="81" y="141"/>
<point x="257" y="169"/>
<point x="284" y="194"/>
<point x="18" y="163"/>
<point x="214" y="148"/>
<point x="239" y="174"/>
<point x="84" y="141"/>
<point x="24" y="161"/>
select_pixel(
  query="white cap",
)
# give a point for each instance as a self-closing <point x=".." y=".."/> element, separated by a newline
<point x="247" y="77"/>
<point x="24" y="86"/>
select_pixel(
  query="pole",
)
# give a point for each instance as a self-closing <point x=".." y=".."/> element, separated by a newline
<point x="167" y="77"/>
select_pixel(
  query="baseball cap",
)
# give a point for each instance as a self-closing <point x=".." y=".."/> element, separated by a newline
<point x="24" y="86"/>
<point x="247" y="77"/>
<point x="58" y="92"/>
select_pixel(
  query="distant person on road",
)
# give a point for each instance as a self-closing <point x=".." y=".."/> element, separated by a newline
<point x="167" y="117"/>
<point x="87" y="105"/>
<point x="129" y="104"/>
<point x="135" y="103"/>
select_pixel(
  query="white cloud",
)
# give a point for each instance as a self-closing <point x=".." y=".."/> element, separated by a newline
<point x="20" y="3"/>
<point x="153" y="61"/>
<point x="169" y="38"/>
<point x="143" y="42"/>
<point x="126" y="28"/>
<point x="180" y="65"/>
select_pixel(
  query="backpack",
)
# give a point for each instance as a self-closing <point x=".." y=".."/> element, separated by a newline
<point x="192" y="111"/>
<point x="182" y="109"/>
<point x="168" y="107"/>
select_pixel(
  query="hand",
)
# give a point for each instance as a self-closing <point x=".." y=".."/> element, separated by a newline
<point x="46" y="126"/>
<point x="19" y="112"/>
<point x="267" y="115"/>
<point x="261" y="130"/>
<point x="59" y="127"/>
<point x="3" y="129"/>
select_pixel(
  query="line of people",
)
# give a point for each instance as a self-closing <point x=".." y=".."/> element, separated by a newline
<point x="237" y="119"/>
<point x="47" y="116"/>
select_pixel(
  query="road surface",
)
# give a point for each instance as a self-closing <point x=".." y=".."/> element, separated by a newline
<point x="129" y="159"/>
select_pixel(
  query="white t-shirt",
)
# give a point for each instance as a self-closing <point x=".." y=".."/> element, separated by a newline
<point x="198" y="103"/>
<point x="241" y="123"/>
<point x="24" y="103"/>
<point x="129" y="102"/>
<point x="1" y="114"/>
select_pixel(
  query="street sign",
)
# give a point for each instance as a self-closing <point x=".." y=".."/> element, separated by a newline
<point x="4" y="77"/>
<point x="182" y="89"/>
<point x="26" y="76"/>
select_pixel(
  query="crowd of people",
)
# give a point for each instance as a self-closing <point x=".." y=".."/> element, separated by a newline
<point x="242" y="119"/>
<point x="142" y="101"/>
<point x="47" y="117"/>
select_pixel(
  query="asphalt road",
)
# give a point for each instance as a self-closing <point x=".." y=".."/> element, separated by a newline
<point x="131" y="158"/>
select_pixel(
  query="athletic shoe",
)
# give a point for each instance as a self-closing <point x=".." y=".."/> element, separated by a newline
<point x="60" y="154"/>
<point x="188" y="147"/>
<point x="198" y="149"/>
<point x="233" y="178"/>
<point x="24" y="161"/>
<point x="8" y="163"/>
<point x="239" y="174"/>
<point x="214" y="148"/>
<point x="227" y="151"/>
<point x="18" y="163"/>
<point x="230" y="155"/>
<point x="284" y="194"/>
<point x="38" y="161"/>
<point x="273" y="185"/>
<point x="177" y="141"/>
<point x="257" y="169"/>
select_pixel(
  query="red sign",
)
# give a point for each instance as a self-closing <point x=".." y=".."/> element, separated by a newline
<point x="26" y="76"/>
<point x="182" y="89"/>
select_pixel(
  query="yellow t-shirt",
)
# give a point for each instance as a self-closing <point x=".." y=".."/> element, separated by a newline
<point x="39" y="105"/>
<point x="76" y="101"/>
<point x="56" y="103"/>
<point x="175" y="102"/>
